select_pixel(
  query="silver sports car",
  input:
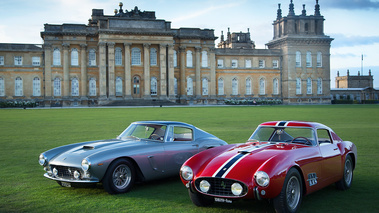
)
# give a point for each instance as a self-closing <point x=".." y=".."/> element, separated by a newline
<point x="144" y="151"/>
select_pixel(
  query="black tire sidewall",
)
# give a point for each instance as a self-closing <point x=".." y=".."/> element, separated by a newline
<point x="108" y="180"/>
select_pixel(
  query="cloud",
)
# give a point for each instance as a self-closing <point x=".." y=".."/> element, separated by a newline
<point x="351" y="4"/>
<point x="341" y="40"/>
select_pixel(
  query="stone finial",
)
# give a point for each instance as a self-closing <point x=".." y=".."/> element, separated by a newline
<point x="121" y="4"/>
<point x="291" y="11"/>
<point x="348" y="72"/>
<point x="279" y="13"/>
<point x="303" y="12"/>
<point x="369" y="72"/>
<point x="115" y="11"/>
<point x="317" y="9"/>
<point x="338" y="73"/>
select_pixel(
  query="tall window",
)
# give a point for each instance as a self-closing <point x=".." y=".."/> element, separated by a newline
<point x="153" y="86"/>
<point x="2" y="87"/>
<point x="175" y="59"/>
<point x="189" y="86"/>
<point x="319" y="86"/>
<point x="309" y="86"/>
<point x="298" y="86"/>
<point x="92" y="87"/>
<point x="18" y="60"/>
<point x="220" y="63"/>
<point x="74" y="57"/>
<point x="262" y="86"/>
<point x="204" y="59"/>
<point x="262" y="64"/>
<point x="275" y="64"/>
<point x="118" y="56"/>
<point x="275" y="86"/>
<point x="92" y="57"/>
<point x="74" y="87"/>
<point x="136" y="88"/>
<point x="221" y="86"/>
<point x="248" y="86"/>
<point x="36" y="61"/>
<point x="319" y="59"/>
<point x="1" y="60"/>
<point x="136" y="56"/>
<point x="36" y="87"/>
<point x="205" y="86"/>
<point x="118" y="86"/>
<point x="309" y="59"/>
<point x="234" y="86"/>
<point x="248" y="63"/>
<point x="234" y="63"/>
<point x="18" y="87"/>
<point x="175" y="86"/>
<point x="57" y="87"/>
<point x="298" y="59"/>
<point x="56" y="57"/>
<point x="189" y="58"/>
<point x="153" y="56"/>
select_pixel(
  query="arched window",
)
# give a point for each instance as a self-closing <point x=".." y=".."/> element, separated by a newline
<point x="118" y="56"/>
<point x="309" y="59"/>
<point x="189" y="86"/>
<point x="319" y="59"/>
<point x="36" y="87"/>
<point x="153" y="86"/>
<point x="235" y="86"/>
<point x="298" y="59"/>
<point x="298" y="86"/>
<point x="189" y="58"/>
<point x="319" y="86"/>
<point x="57" y="87"/>
<point x="175" y="86"/>
<point x="2" y="87"/>
<point x="118" y="86"/>
<point x="18" y="87"/>
<point x="205" y="86"/>
<point x="136" y="56"/>
<point x="74" y="57"/>
<point x="153" y="56"/>
<point x="309" y="86"/>
<point x="275" y="85"/>
<point x="92" y="87"/>
<point x="204" y="59"/>
<point x="74" y="87"/>
<point x="262" y="86"/>
<point x="92" y="57"/>
<point x="56" y="57"/>
<point x="221" y="86"/>
<point x="175" y="59"/>
<point x="248" y="86"/>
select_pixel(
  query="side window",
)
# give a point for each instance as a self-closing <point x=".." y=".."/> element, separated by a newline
<point x="182" y="134"/>
<point x="323" y="136"/>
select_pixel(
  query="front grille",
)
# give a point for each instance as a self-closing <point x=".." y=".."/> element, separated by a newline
<point x="65" y="172"/>
<point x="221" y="187"/>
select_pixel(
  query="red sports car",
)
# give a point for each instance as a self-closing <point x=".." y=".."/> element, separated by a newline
<point x="282" y="161"/>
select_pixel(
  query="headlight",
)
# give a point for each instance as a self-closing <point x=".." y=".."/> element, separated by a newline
<point x="262" y="178"/>
<point x="205" y="186"/>
<point x="186" y="173"/>
<point x="237" y="189"/>
<point x="85" y="164"/>
<point x="42" y="160"/>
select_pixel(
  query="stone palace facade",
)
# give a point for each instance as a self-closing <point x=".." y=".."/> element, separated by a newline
<point x="132" y="55"/>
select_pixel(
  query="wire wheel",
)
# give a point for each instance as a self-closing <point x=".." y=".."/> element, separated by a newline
<point x="293" y="192"/>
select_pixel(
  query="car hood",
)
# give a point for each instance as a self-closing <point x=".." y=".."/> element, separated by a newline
<point x="74" y="156"/>
<point x="242" y="161"/>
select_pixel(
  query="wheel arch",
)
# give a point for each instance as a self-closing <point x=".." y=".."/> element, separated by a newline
<point x="297" y="167"/>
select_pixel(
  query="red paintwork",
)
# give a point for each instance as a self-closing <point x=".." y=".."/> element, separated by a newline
<point x="326" y="161"/>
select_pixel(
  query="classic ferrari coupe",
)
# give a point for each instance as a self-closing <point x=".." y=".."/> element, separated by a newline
<point x="281" y="161"/>
<point x="144" y="151"/>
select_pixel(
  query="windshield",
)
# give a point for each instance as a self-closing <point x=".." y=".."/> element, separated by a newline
<point x="284" y="134"/>
<point x="144" y="131"/>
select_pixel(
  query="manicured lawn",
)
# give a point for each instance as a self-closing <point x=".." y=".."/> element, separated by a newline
<point x="27" y="133"/>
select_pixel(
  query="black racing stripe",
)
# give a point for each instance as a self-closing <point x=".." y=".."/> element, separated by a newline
<point x="230" y="163"/>
<point x="282" y="123"/>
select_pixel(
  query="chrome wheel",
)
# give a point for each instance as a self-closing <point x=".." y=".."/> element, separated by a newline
<point x="293" y="192"/>
<point x="121" y="176"/>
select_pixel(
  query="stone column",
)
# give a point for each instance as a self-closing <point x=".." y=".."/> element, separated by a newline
<point x="128" y="72"/>
<point x="102" y="71"/>
<point x="182" y="90"/>
<point x="48" y="77"/>
<point x="66" y="73"/>
<point x="146" y="70"/>
<point x="171" y="77"/>
<point x="83" y="71"/>
<point x="197" y="72"/>
<point x="163" y="71"/>
<point x="212" y="86"/>
<point x="111" y="71"/>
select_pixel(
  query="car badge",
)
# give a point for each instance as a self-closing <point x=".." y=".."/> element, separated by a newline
<point x="223" y="185"/>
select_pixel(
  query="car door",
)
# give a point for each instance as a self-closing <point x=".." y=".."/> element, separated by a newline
<point x="179" y="146"/>
<point x="331" y="163"/>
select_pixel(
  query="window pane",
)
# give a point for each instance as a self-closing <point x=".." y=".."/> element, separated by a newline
<point x="118" y="56"/>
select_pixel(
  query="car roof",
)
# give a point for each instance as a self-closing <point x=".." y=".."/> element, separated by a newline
<point x="295" y="124"/>
<point x="164" y="123"/>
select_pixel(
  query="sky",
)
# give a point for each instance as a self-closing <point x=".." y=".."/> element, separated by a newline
<point x="354" y="24"/>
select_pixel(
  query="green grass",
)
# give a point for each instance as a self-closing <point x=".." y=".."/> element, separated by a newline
<point x="27" y="133"/>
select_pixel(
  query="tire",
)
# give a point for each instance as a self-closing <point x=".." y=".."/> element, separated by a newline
<point x="200" y="199"/>
<point x="290" y="197"/>
<point x="347" y="179"/>
<point x="119" y="177"/>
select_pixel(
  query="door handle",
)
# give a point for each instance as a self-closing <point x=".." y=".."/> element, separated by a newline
<point x="335" y="149"/>
<point x="196" y="145"/>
